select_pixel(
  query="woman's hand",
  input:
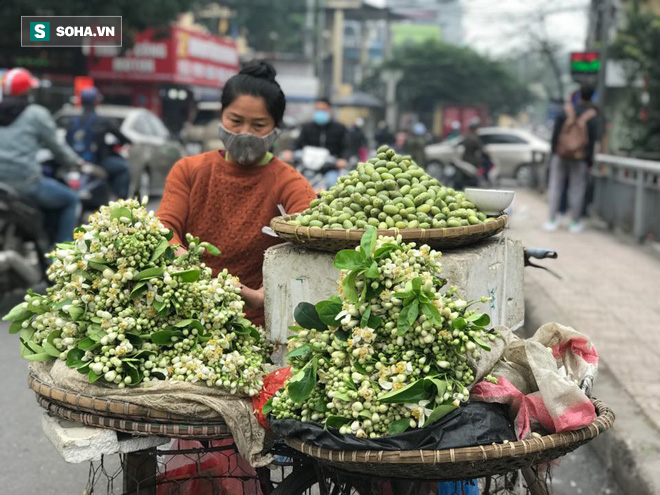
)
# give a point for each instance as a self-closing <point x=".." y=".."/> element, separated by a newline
<point x="253" y="298"/>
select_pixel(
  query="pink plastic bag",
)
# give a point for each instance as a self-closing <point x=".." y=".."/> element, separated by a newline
<point x="543" y="380"/>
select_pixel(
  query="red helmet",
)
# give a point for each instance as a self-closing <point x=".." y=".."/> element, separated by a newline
<point x="17" y="82"/>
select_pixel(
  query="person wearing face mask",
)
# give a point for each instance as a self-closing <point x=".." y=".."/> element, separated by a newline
<point x="324" y="132"/>
<point x="226" y="197"/>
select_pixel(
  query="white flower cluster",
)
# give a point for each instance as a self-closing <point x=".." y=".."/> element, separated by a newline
<point x="397" y="357"/>
<point x="124" y="310"/>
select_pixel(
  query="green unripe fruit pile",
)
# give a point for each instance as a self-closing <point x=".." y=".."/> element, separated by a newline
<point x="390" y="191"/>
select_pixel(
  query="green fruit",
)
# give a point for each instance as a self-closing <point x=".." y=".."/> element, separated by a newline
<point x="383" y="148"/>
<point x="390" y="222"/>
<point x="389" y="184"/>
<point x="387" y="176"/>
<point x="424" y="225"/>
<point x="382" y="226"/>
<point x="391" y="209"/>
<point x="396" y="171"/>
<point x="316" y="223"/>
<point x="414" y="224"/>
<point x="400" y="225"/>
<point x="424" y="209"/>
<point x="371" y="191"/>
<point x="403" y="182"/>
<point x="373" y="222"/>
<point x="405" y="190"/>
<point x="453" y="222"/>
<point x="473" y="220"/>
<point x="348" y="224"/>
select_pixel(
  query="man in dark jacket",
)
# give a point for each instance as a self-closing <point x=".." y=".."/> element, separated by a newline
<point x="324" y="132"/>
<point x="473" y="146"/>
<point x="575" y="171"/>
<point x="87" y="136"/>
<point x="24" y="129"/>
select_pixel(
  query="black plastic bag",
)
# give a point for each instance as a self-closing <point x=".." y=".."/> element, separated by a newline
<point x="477" y="423"/>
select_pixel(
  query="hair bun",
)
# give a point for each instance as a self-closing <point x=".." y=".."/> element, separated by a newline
<point x="260" y="69"/>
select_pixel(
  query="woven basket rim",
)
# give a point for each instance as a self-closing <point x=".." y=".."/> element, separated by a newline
<point x="136" y="427"/>
<point x="472" y="455"/>
<point x="280" y="226"/>
<point x="113" y="408"/>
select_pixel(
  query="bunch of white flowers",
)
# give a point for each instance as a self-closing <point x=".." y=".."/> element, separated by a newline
<point x="391" y="352"/>
<point x="125" y="310"/>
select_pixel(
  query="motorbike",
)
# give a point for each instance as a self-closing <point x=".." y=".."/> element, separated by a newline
<point x="313" y="163"/>
<point x="459" y="174"/>
<point x="23" y="242"/>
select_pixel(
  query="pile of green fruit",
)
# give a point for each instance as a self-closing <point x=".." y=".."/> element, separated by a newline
<point x="123" y="309"/>
<point x="390" y="352"/>
<point x="390" y="191"/>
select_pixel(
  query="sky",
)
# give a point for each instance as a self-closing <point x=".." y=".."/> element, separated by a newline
<point x="500" y="26"/>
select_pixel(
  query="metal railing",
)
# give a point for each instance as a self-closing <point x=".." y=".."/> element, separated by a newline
<point x="627" y="194"/>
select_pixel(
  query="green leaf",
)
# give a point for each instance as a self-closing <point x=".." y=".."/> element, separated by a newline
<point x="48" y="345"/>
<point x="372" y="272"/>
<point x="65" y="245"/>
<point x="160" y="249"/>
<point x="349" y="259"/>
<point x="191" y="323"/>
<point x="211" y="249"/>
<point x="440" y="386"/>
<point x="368" y="242"/>
<point x="320" y="406"/>
<point x="414" y="392"/>
<point x="413" y="311"/>
<point x="301" y="385"/>
<point x="15" y="327"/>
<point x="403" y="325"/>
<point x="348" y="284"/>
<point x="365" y="318"/>
<point x="341" y="335"/>
<point x="139" y="289"/>
<point x="301" y="352"/>
<point x="17" y="313"/>
<point x="76" y="312"/>
<point x="351" y="385"/>
<point x="479" y="320"/>
<point x="306" y="316"/>
<point x="120" y="211"/>
<point x="149" y="273"/>
<point x="399" y="426"/>
<point x="268" y="407"/>
<point x="438" y="413"/>
<point x="432" y="313"/>
<point x="134" y="373"/>
<point x="95" y="332"/>
<point x="375" y="322"/>
<point x="169" y="235"/>
<point x="459" y="323"/>
<point x="164" y="337"/>
<point x="328" y="311"/>
<point x="93" y="377"/>
<point x="188" y="276"/>
<point x="88" y="344"/>
<point x="161" y="307"/>
<point x="384" y="250"/>
<point x="360" y="369"/>
<point x="97" y="266"/>
<point x="135" y="339"/>
<point x="334" y="421"/>
<point x="61" y="304"/>
<point x="481" y="343"/>
<point x="417" y="285"/>
<point x="74" y="358"/>
<point x="342" y="396"/>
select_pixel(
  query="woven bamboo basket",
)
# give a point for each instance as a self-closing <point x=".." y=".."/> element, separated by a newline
<point x="460" y="463"/>
<point x="122" y="416"/>
<point x="334" y="240"/>
<point x="189" y="430"/>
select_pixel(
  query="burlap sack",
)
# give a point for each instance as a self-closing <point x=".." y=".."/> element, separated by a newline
<point x="543" y="379"/>
<point x="188" y="399"/>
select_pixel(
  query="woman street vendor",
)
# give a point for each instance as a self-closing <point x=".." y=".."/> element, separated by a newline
<point x="227" y="197"/>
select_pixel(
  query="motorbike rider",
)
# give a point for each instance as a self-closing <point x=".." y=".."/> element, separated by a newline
<point x="87" y="135"/>
<point x="324" y="132"/>
<point x="475" y="153"/>
<point x="24" y="129"/>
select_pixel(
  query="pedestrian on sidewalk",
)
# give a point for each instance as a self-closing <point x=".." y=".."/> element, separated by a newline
<point x="573" y="139"/>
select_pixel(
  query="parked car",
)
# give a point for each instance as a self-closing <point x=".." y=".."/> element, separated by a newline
<point x="514" y="152"/>
<point x="152" y="153"/>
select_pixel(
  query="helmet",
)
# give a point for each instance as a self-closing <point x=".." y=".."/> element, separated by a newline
<point x="90" y="95"/>
<point x="17" y="82"/>
<point x="475" y="122"/>
<point x="456" y="125"/>
<point x="419" y="129"/>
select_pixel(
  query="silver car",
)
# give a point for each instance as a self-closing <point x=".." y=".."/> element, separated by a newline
<point x="152" y="153"/>
<point x="514" y="152"/>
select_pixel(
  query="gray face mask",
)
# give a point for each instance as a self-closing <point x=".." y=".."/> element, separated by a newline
<point x="246" y="149"/>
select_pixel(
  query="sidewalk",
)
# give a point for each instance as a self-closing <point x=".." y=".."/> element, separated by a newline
<point x="610" y="291"/>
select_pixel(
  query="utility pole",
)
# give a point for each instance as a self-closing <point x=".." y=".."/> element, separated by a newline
<point x="309" y="31"/>
<point x="606" y="23"/>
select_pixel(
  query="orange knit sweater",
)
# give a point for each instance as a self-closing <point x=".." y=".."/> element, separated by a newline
<point x="221" y="203"/>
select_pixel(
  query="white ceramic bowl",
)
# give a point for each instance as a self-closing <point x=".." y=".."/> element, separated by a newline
<point x="490" y="201"/>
